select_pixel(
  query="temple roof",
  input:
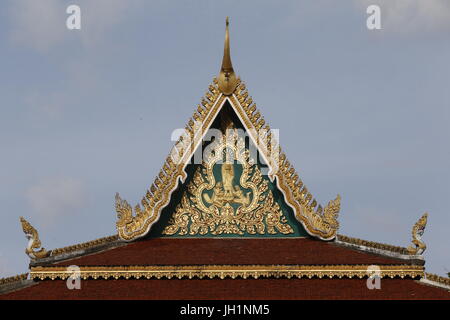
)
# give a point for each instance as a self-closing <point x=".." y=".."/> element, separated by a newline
<point x="232" y="251"/>
<point x="232" y="289"/>
<point x="285" y="239"/>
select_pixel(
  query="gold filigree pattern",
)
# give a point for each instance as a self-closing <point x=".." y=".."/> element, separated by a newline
<point x="33" y="250"/>
<point x="202" y="213"/>
<point x="227" y="271"/>
<point x="417" y="232"/>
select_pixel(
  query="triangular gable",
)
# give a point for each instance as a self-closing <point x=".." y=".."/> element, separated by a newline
<point x="318" y="222"/>
<point x="227" y="192"/>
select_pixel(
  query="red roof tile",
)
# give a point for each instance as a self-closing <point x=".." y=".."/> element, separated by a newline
<point x="171" y="251"/>
<point x="259" y="289"/>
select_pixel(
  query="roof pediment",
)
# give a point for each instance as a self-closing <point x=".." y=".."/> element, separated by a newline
<point x="228" y="90"/>
<point x="317" y="221"/>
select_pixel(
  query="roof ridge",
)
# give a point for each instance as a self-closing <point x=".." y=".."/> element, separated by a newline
<point x="13" y="279"/>
<point x="84" y="245"/>
<point x="437" y="278"/>
<point x="373" y="244"/>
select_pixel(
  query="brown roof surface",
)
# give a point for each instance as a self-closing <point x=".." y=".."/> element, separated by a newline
<point x="171" y="251"/>
<point x="260" y="289"/>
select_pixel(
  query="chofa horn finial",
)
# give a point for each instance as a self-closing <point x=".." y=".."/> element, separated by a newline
<point x="227" y="80"/>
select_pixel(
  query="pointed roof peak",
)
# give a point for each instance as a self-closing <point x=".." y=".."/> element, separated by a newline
<point x="227" y="80"/>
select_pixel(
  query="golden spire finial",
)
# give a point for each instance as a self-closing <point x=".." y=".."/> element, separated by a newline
<point x="227" y="79"/>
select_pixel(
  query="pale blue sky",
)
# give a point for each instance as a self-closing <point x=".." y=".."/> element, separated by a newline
<point x="85" y="114"/>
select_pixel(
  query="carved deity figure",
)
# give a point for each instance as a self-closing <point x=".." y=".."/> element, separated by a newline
<point x="227" y="180"/>
<point x="225" y="191"/>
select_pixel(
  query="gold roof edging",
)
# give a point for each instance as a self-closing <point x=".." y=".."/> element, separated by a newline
<point x="227" y="271"/>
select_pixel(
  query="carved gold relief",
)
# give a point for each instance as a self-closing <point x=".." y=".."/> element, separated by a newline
<point x="227" y="271"/>
<point x="219" y="205"/>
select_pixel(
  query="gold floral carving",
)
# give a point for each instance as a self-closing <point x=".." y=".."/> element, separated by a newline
<point x="200" y="212"/>
<point x="227" y="271"/>
<point x="417" y="232"/>
<point x="33" y="250"/>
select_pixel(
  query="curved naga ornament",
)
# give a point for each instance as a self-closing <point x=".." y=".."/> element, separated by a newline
<point x="221" y="206"/>
<point x="34" y="243"/>
<point x="417" y="233"/>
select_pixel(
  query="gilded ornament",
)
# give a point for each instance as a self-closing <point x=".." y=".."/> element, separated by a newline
<point x="227" y="80"/>
<point x="227" y="271"/>
<point x="223" y="207"/>
<point x="33" y="250"/>
<point x="417" y="233"/>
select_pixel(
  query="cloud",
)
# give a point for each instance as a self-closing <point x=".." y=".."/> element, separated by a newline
<point x="3" y="266"/>
<point x="45" y="105"/>
<point x="100" y="16"/>
<point x="41" y="25"/>
<point x="54" y="197"/>
<point x="405" y="16"/>
<point x="37" y="24"/>
<point x="383" y="219"/>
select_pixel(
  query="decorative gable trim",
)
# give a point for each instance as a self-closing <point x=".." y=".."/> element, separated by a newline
<point x="227" y="271"/>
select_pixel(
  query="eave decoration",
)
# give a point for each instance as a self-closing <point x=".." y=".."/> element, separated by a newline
<point x="227" y="271"/>
<point x="318" y="222"/>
